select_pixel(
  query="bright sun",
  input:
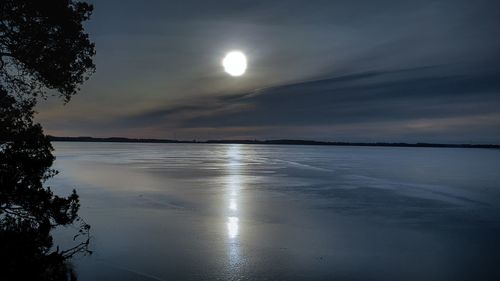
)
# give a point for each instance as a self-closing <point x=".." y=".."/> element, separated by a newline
<point x="235" y="63"/>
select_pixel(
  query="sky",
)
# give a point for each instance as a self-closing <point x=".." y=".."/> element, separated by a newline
<point x="388" y="71"/>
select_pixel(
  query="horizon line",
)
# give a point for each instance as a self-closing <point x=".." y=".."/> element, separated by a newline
<point x="282" y="141"/>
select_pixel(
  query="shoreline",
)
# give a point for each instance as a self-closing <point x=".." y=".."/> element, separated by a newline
<point x="272" y="142"/>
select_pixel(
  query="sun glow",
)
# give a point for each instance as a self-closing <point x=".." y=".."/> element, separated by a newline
<point x="235" y="63"/>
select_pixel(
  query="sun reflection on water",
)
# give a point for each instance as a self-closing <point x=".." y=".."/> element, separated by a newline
<point x="232" y="204"/>
<point x="232" y="227"/>
<point x="233" y="186"/>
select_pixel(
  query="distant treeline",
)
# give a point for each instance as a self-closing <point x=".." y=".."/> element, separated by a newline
<point x="114" y="139"/>
<point x="282" y="142"/>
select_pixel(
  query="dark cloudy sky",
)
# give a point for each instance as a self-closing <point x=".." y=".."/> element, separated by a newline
<point x="328" y="70"/>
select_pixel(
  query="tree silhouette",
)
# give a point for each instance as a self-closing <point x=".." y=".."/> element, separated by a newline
<point x="43" y="49"/>
<point x="43" y="46"/>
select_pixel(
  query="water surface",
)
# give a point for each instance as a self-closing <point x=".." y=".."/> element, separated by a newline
<point x="272" y="212"/>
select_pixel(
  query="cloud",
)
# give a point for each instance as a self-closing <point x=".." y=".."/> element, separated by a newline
<point x="406" y="97"/>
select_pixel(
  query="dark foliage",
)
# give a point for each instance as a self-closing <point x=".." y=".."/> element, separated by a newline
<point x="28" y="209"/>
<point x="25" y="161"/>
<point x="25" y="253"/>
<point x="43" y="48"/>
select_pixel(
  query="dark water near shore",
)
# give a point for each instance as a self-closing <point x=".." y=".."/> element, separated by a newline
<point x="270" y="212"/>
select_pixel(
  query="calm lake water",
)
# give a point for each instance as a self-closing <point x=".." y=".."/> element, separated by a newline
<point x="271" y="212"/>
